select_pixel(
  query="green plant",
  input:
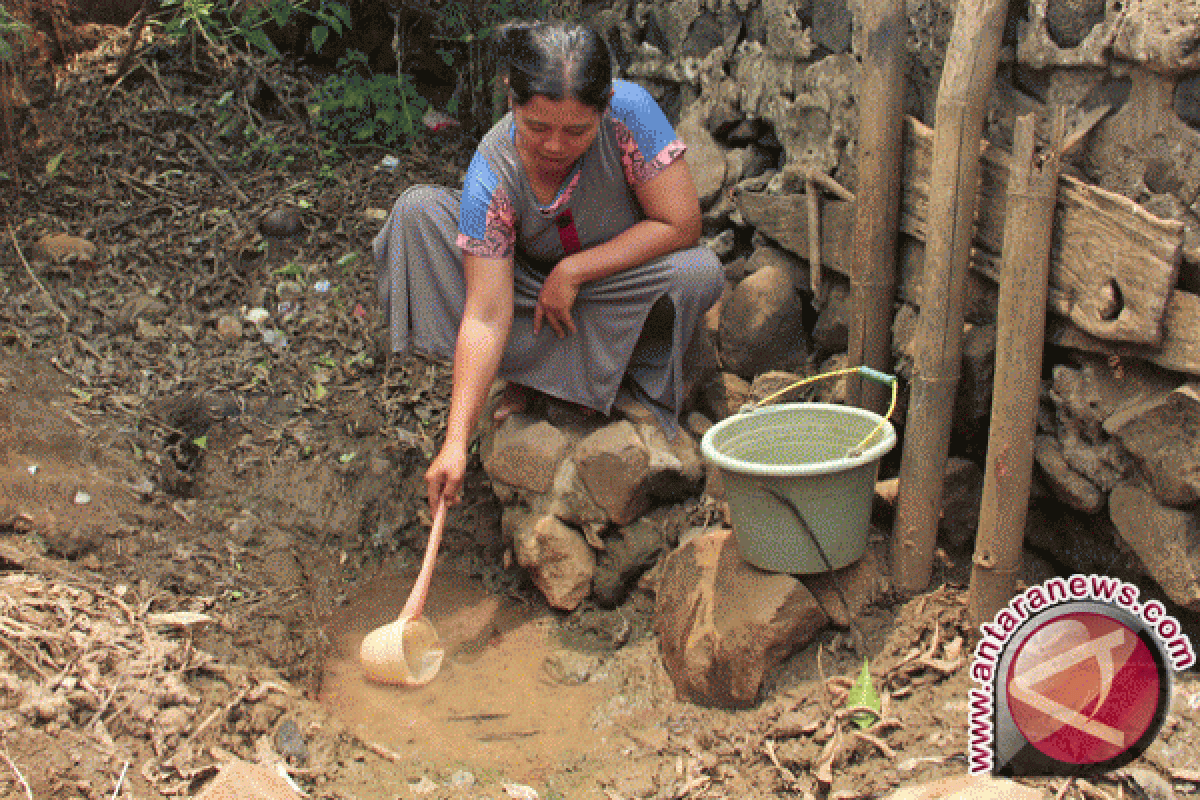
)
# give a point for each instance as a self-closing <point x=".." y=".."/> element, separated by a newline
<point x="12" y="36"/>
<point x="463" y="28"/>
<point x="356" y="106"/>
<point x="221" y="23"/>
<point x="12" y="41"/>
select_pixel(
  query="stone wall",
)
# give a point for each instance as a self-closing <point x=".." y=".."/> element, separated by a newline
<point x="764" y="90"/>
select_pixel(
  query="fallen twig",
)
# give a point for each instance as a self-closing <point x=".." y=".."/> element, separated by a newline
<point x="66" y="321"/>
<point x="1062" y="790"/>
<point x="212" y="162"/>
<point x="124" y="769"/>
<point x="879" y="744"/>
<point x="1086" y="123"/>
<point x="12" y="648"/>
<point x="219" y="713"/>
<point x="827" y="183"/>
<point x="135" y="36"/>
<point x="1092" y="792"/>
<point x="814" y="236"/>
<point x="17" y="772"/>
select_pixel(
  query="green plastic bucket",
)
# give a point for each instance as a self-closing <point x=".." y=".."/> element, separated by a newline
<point x="798" y="472"/>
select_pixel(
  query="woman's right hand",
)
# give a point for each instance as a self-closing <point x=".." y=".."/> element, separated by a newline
<point x="444" y="478"/>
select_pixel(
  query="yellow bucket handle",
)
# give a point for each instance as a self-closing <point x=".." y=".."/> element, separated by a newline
<point x="866" y="372"/>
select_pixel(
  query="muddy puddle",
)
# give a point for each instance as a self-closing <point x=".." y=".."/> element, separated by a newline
<point x="498" y="703"/>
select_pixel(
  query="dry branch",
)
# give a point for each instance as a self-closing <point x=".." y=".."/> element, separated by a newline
<point x="877" y="214"/>
<point x="966" y="78"/>
<point x="1020" y="334"/>
<point x="49" y="298"/>
<point x="24" y="784"/>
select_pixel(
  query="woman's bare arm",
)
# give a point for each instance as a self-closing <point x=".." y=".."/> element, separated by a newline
<point x="482" y="336"/>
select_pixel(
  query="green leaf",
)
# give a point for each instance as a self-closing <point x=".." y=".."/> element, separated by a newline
<point x="201" y="442"/>
<point x="341" y="12"/>
<point x="281" y="12"/>
<point x="347" y="259"/>
<point x="263" y="42"/>
<point x="53" y="164"/>
<point x="863" y="694"/>
<point x="319" y="392"/>
<point x="291" y="269"/>
<point x="320" y="34"/>
<point x="81" y="395"/>
<point x="346" y="458"/>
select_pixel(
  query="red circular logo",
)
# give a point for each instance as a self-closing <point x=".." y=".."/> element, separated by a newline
<point x="1083" y="688"/>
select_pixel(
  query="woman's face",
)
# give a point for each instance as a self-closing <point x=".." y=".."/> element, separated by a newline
<point x="553" y="134"/>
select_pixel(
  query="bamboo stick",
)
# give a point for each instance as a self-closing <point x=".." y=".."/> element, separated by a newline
<point x="814" y="237"/>
<point x="877" y="215"/>
<point x="1020" y="334"/>
<point x="967" y="77"/>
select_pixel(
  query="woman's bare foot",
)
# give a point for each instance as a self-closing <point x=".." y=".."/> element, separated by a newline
<point x="513" y="400"/>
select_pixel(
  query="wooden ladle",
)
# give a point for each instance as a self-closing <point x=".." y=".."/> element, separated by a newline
<point x="408" y="651"/>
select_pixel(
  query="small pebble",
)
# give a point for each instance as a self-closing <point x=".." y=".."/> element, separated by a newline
<point x="462" y="779"/>
<point x="519" y="791"/>
<point x="256" y="316"/>
<point x="321" y="286"/>
<point x="423" y="786"/>
<point x="82" y="498"/>
<point x="290" y="742"/>
<point x="281" y="223"/>
<point x="229" y="328"/>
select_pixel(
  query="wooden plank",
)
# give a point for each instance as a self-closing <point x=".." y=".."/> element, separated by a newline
<point x="1113" y="264"/>
<point x="1180" y="348"/>
<point x="784" y="219"/>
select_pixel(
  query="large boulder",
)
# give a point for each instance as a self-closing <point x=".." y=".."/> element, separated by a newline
<point x="1164" y="440"/>
<point x="723" y="625"/>
<point x="762" y="324"/>
<point x="705" y="158"/>
<point x="526" y="453"/>
<point x="618" y="470"/>
<point x="1069" y="486"/>
<point x="1167" y="540"/>
<point x="559" y="560"/>
<point x="571" y="486"/>
<point x="1161" y="34"/>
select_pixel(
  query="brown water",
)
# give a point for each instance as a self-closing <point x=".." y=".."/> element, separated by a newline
<point x="492" y="707"/>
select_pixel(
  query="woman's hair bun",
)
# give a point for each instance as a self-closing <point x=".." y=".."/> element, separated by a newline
<point x="554" y="59"/>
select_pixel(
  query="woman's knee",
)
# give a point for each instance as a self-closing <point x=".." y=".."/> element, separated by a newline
<point x="701" y="274"/>
<point x="423" y="201"/>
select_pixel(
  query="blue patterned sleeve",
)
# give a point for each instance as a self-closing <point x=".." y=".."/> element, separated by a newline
<point x="487" y="220"/>
<point x="645" y="137"/>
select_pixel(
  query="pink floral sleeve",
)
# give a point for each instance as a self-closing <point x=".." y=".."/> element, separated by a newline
<point x="500" y="233"/>
<point x="637" y="169"/>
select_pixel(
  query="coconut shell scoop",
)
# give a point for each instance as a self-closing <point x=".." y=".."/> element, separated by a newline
<point x="408" y="650"/>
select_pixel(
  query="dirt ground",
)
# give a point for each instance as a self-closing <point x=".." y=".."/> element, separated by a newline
<point x="201" y="512"/>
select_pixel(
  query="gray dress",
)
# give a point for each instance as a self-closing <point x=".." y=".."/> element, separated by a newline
<point x="422" y="287"/>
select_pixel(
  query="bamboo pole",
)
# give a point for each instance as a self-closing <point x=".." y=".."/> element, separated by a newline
<point x="1020" y="335"/>
<point x="954" y="176"/>
<point x="880" y="175"/>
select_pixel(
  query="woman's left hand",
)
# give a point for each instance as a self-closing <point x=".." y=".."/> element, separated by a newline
<point x="555" y="301"/>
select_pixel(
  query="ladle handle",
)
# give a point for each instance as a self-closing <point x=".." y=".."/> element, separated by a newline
<point x="416" y="598"/>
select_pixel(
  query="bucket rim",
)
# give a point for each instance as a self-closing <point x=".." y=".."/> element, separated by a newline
<point x="737" y="465"/>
